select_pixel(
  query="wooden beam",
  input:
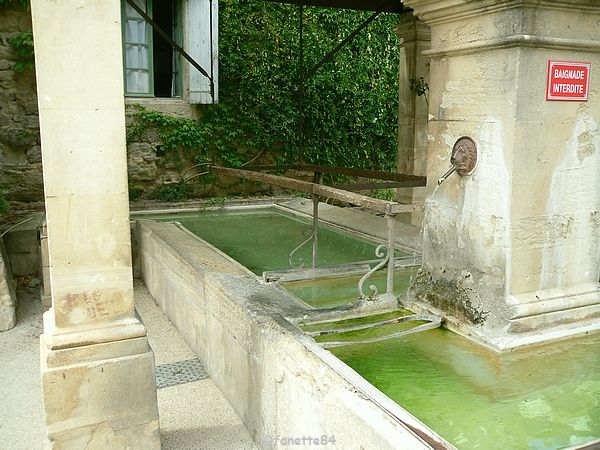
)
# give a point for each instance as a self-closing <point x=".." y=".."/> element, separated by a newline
<point x="363" y="173"/>
<point x="360" y="5"/>
<point x="353" y="187"/>
<point x="372" y="204"/>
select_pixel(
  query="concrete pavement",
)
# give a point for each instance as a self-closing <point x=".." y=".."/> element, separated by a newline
<point x="193" y="414"/>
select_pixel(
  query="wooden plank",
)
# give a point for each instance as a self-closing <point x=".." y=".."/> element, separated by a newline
<point x="363" y="173"/>
<point x="372" y="204"/>
<point x="373" y="186"/>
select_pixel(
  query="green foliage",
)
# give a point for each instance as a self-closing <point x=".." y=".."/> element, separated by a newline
<point x="4" y="205"/>
<point x="134" y="192"/>
<point x="216" y="201"/>
<point x="350" y="104"/>
<point x="419" y="86"/>
<point x="384" y="194"/>
<point x="173" y="192"/>
<point x="22" y="43"/>
<point x="173" y="132"/>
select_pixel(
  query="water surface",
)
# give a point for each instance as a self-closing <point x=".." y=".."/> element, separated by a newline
<point x="546" y="398"/>
<point x="329" y="292"/>
<point x="262" y="239"/>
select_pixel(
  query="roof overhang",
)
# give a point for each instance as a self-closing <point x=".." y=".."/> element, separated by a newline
<point x="391" y="6"/>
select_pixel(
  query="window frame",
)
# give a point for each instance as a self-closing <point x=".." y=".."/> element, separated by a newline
<point x="148" y="44"/>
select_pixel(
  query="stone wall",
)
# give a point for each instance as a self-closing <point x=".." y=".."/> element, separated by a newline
<point x="20" y="151"/>
<point x="152" y="170"/>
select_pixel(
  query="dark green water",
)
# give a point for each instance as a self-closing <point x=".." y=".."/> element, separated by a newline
<point x="547" y="398"/>
<point x="329" y="292"/>
<point x="262" y="239"/>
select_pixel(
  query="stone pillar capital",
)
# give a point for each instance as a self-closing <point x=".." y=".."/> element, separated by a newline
<point x="432" y="11"/>
<point x="411" y="29"/>
<point x="463" y="26"/>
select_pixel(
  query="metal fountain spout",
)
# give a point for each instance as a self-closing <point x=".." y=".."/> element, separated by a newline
<point x="463" y="158"/>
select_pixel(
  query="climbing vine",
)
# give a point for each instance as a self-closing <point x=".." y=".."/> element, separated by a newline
<point x="4" y="205"/>
<point x="22" y="43"/>
<point x="349" y="106"/>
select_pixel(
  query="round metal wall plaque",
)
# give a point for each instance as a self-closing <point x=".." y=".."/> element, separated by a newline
<point x="464" y="156"/>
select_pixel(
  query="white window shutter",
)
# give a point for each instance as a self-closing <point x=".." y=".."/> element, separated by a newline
<point x="204" y="50"/>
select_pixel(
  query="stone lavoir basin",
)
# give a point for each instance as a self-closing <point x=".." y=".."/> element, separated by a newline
<point x="262" y="239"/>
<point x="547" y="397"/>
<point x="542" y="397"/>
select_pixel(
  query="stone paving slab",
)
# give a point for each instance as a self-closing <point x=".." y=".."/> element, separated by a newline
<point x="193" y="412"/>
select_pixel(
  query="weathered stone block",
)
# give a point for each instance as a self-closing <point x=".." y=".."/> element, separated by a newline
<point x="18" y="137"/>
<point x="24" y="182"/>
<point x="32" y="121"/>
<point x="7" y="75"/>
<point x="34" y="154"/>
<point x="141" y="162"/>
<point x="100" y="396"/>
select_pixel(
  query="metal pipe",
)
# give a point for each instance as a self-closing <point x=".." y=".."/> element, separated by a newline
<point x="329" y="56"/>
<point x="318" y="179"/>
<point x="391" y="221"/>
<point x="315" y="231"/>
<point x="446" y="175"/>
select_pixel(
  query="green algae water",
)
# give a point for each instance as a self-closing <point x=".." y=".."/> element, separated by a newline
<point x="329" y="292"/>
<point x="540" y="399"/>
<point x="262" y="239"/>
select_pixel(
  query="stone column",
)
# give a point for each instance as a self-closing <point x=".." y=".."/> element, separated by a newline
<point x="412" y="109"/>
<point x="97" y="367"/>
<point x="511" y="253"/>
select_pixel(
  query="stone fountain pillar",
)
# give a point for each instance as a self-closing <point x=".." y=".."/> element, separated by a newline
<point x="511" y="254"/>
<point x="97" y="367"/>
<point x="414" y="37"/>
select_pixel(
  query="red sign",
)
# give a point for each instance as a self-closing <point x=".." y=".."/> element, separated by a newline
<point x="568" y="81"/>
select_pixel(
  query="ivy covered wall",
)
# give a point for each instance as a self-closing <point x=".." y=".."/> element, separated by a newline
<point x="349" y="107"/>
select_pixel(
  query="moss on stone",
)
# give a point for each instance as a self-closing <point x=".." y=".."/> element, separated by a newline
<point x="450" y="296"/>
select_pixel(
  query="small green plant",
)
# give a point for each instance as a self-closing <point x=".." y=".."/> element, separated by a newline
<point x="384" y="194"/>
<point x="178" y="192"/>
<point x="419" y="86"/>
<point x="4" y="205"/>
<point x="22" y="43"/>
<point x="134" y="192"/>
<point x="216" y="201"/>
